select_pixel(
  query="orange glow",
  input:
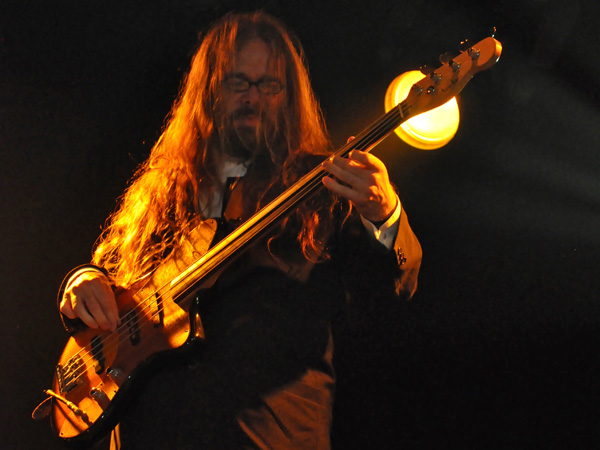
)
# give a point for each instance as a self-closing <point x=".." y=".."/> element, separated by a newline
<point x="430" y="130"/>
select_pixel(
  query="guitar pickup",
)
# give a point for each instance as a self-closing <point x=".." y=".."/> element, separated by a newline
<point x="157" y="313"/>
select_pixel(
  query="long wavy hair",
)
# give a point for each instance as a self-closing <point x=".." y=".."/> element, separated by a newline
<point x="163" y="197"/>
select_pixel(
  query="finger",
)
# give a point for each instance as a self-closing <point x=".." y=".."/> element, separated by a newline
<point x="94" y="301"/>
<point x="114" y="310"/>
<point x="341" y="175"/>
<point x="347" y="163"/>
<point x="82" y="312"/>
<point x="347" y="171"/>
<point x="89" y="304"/>
<point x="342" y="190"/>
<point x="103" y="292"/>
<point x="350" y="139"/>
<point x="367" y="160"/>
<point x="66" y="307"/>
<point x="97" y="307"/>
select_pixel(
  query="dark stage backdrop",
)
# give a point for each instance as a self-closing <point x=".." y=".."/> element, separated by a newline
<point x="499" y="348"/>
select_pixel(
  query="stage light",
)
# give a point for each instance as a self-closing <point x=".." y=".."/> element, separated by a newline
<point x="427" y="131"/>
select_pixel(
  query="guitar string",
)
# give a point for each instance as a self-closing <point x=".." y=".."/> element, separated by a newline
<point x="367" y="138"/>
<point x="371" y="136"/>
<point x="402" y="108"/>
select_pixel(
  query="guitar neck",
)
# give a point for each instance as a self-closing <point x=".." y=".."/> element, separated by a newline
<point x="265" y="219"/>
<point x="446" y="82"/>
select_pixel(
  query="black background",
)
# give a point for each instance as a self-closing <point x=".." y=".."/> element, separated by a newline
<point x="498" y="349"/>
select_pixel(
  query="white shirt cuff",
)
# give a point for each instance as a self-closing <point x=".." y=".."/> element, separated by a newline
<point x="83" y="270"/>
<point x="386" y="233"/>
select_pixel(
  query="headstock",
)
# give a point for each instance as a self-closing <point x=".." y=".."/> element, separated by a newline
<point x="445" y="82"/>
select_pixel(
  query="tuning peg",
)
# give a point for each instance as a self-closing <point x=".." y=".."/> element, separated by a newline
<point x="426" y="70"/>
<point x="431" y="73"/>
<point x="493" y="31"/>
<point x="464" y="45"/>
<point x="446" y="58"/>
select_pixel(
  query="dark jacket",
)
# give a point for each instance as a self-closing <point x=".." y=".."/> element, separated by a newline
<point x="264" y="376"/>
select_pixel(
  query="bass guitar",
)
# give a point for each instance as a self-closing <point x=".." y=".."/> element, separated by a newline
<point x="98" y="368"/>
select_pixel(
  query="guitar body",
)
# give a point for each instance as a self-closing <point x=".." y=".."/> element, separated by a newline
<point x="97" y="367"/>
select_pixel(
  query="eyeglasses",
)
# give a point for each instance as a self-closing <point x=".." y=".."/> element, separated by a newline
<point x="238" y="83"/>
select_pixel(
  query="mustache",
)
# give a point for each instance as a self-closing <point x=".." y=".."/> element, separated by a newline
<point x="245" y="111"/>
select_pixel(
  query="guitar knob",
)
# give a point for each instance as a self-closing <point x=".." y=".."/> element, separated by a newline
<point x="100" y="397"/>
<point x="116" y="375"/>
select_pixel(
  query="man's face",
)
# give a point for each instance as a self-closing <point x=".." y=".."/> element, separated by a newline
<point x="252" y="95"/>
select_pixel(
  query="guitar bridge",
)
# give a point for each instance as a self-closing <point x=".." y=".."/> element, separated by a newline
<point x="68" y="377"/>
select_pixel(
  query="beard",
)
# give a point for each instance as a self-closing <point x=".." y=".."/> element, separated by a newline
<point x="249" y="132"/>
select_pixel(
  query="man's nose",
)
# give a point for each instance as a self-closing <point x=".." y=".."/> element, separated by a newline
<point x="252" y="95"/>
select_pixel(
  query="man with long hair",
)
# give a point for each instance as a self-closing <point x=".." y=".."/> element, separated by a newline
<point x="245" y="127"/>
